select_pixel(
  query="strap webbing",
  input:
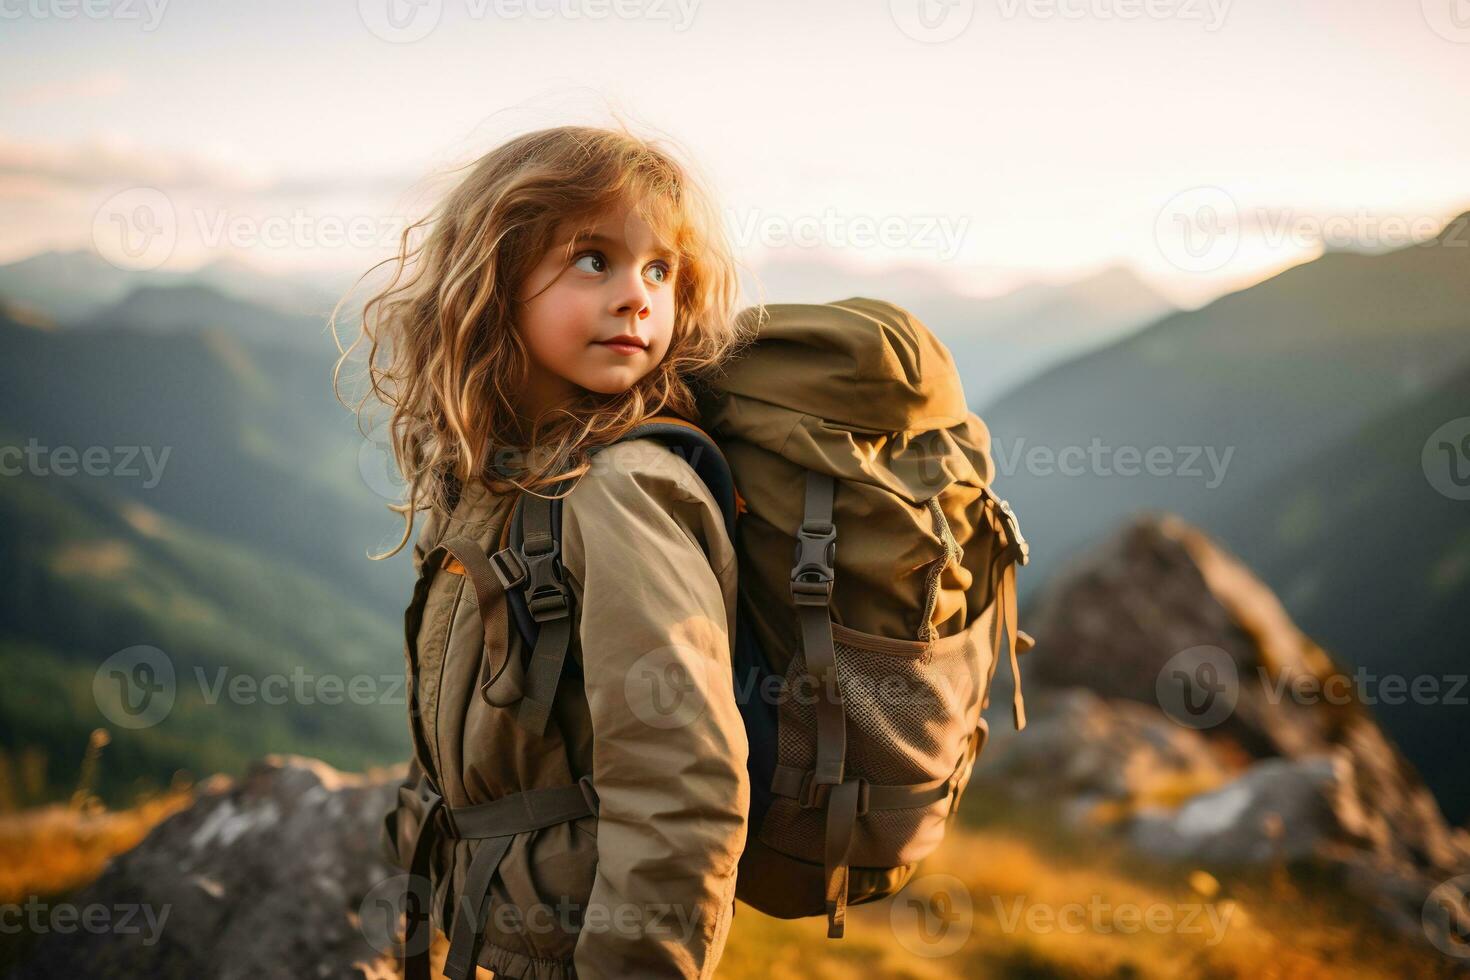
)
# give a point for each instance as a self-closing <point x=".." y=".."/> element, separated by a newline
<point x="794" y="782"/>
<point x="420" y="894"/>
<point x="1003" y="582"/>
<point x="1008" y="590"/>
<point x="482" y="578"/>
<point x="842" y="814"/>
<point x="811" y="586"/>
<point x="517" y="813"/>
<point x="549" y="599"/>
<point x="816" y="641"/>
<point x="468" y="932"/>
<point x="496" y="823"/>
<point x="1003" y="629"/>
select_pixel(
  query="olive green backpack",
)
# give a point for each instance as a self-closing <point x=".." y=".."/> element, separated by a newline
<point x="877" y="587"/>
<point x="877" y="593"/>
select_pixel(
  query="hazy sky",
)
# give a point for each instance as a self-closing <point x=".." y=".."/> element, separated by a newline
<point x="992" y="141"/>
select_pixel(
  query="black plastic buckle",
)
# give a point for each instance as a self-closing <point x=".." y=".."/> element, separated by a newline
<point x="509" y="568"/>
<point x="546" y="593"/>
<point x="813" y="564"/>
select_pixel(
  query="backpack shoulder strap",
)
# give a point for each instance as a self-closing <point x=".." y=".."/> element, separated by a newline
<point x="529" y="562"/>
<point x="702" y="453"/>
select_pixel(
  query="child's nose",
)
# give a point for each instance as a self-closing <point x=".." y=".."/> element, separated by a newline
<point x="631" y="297"/>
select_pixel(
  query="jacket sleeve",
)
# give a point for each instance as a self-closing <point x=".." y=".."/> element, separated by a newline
<point x="645" y="541"/>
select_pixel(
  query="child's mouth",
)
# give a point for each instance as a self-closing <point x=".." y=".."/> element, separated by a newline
<point x="621" y="348"/>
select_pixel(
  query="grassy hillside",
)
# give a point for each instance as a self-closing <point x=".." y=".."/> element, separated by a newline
<point x="259" y="452"/>
<point x="1373" y="560"/>
<point x="1270" y="375"/>
<point x="86" y="576"/>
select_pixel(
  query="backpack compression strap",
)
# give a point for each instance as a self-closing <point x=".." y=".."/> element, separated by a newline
<point x="1003" y="578"/>
<point x="811" y="589"/>
<point x="847" y="799"/>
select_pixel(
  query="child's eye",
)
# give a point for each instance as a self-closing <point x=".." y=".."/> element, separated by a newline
<point x="590" y="262"/>
<point x="662" y="271"/>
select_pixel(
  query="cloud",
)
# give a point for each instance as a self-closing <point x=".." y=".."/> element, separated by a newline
<point x="223" y="201"/>
<point x="109" y="162"/>
<point x="100" y="85"/>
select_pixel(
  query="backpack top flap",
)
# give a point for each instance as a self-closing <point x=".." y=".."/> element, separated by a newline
<point x="915" y="541"/>
<point x="880" y="368"/>
<point x="860" y="390"/>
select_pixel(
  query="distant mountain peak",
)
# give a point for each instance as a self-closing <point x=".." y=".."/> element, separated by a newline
<point x="1456" y="231"/>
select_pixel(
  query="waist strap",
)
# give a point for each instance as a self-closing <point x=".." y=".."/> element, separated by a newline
<point x="495" y="823"/>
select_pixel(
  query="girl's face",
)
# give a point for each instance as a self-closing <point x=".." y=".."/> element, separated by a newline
<point x="619" y="283"/>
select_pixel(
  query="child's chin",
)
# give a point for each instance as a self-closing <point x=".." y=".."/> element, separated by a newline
<point x="613" y="386"/>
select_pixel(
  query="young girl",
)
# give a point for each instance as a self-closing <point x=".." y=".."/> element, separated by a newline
<point x="573" y="284"/>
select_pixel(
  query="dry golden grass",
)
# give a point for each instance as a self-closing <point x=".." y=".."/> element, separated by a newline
<point x="1039" y="911"/>
<point x="52" y="849"/>
<point x="1043" y="904"/>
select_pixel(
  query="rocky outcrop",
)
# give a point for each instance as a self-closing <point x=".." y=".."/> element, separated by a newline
<point x="1098" y="756"/>
<point x="1175" y="704"/>
<point x="272" y="875"/>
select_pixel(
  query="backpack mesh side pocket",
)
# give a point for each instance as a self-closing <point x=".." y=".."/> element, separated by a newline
<point x="912" y="710"/>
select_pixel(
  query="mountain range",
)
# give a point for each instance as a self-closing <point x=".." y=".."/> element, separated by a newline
<point x="1290" y="421"/>
<point x="1287" y="419"/>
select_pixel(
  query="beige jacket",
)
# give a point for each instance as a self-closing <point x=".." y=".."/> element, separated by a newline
<point x="651" y="716"/>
